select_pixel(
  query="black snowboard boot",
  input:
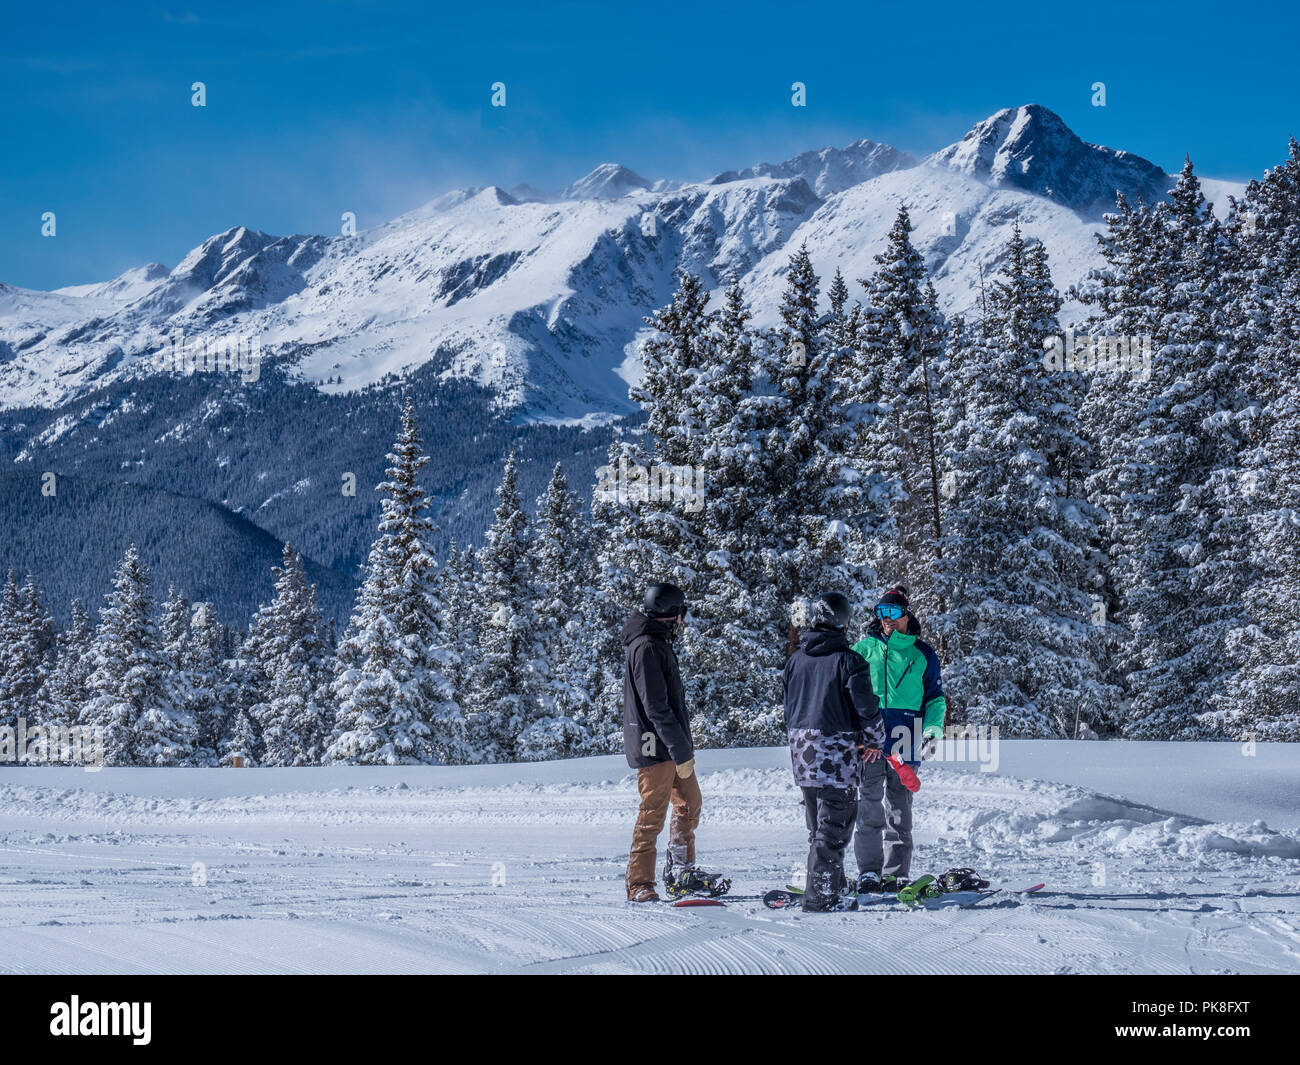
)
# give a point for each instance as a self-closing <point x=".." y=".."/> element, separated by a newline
<point x="869" y="884"/>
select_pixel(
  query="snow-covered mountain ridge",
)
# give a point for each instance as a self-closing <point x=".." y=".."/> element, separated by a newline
<point x="541" y="297"/>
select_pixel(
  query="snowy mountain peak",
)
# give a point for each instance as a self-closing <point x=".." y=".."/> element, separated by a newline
<point x="1031" y="148"/>
<point x="829" y="170"/>
<point x="131" y="285"/>
<point x="609" y="181"/>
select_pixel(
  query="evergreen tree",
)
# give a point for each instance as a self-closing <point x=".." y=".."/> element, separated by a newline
<point x="394" y="703"/>
<point x="1263" y="642"/>
<point x="1164" y="438"/>
<point x="292" y="660"/>
<point x="566" y="615"/>
<point x="812" y="492"/>
<point x="894" y="378"/>
<point x="12" y="704"/>
<point x="1015" y="568"/>
<point x="174" y="638"/>
<point x="127" y="688"/>
<point x="242" y="743"/>
<point x="65" y="689"/>
<point x="209" y="690"/>
<point x="457" y="589"/>
<point x="27" y="641"/>
<point x="508" y="714"/>
<point x="737" y="634"/>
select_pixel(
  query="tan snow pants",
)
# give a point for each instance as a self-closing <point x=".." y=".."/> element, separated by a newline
<point x="659" y="785"/>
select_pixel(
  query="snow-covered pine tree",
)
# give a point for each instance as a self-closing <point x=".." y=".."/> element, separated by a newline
<point x="1120" y="294"/>
<point x="27" y="641"/>
<point x="456" y="587"/>
<point x="127" y="688"/>
<point x="1160" y="440"/>
<point x="567" y="616"/>
<point x="808" y="436"/>
<point x="174" y="637"/>
<point x="645" y="528"/>
<point x="394" y="703"/>
<point x="510" y="718"/>
<point x="894" y="377"/>
<point x="1201" y="335"/>
<point x="293" y="662"/>
<point x="1015" y="566"/>
<point x="12" y="706"/>
<point x="242" y="743"/>
<point x="838" y="294"/>
<point x="209" y="689"/>
<point x="644" y="533"/>
<point x="64" y="690"/>
<point x="737" y="636"/>
<point x="1261" y="697"/>
<point x="20" y="672"/>
<point x="174" y="627"/>
<point x="243" y="687"/>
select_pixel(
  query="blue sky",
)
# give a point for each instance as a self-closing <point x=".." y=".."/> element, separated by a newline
<point x="318" y="108"/>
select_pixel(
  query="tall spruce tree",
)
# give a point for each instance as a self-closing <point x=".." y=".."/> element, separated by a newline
<point x="27" y="643"/>
<point x="900" y="350"/>
<point x="509" y="714"/>
<point x="210" y="691"/>
<point x="566" y="616"/>
<point x="1163" y="436"/>
<point x="292" y="660"/>
<point x="1015" y="569"/>
<point x="737" y="635"/>
<point x="813" y="496"/>
<point x="65" y="688"/>
<point x="128" y="691"/>
<point x="394" y="702"/>
<point x="1261" y="697"/>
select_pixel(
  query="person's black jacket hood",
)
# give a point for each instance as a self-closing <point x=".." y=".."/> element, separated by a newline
<point x="656" y="726"/>
<point x="828" y="687"/>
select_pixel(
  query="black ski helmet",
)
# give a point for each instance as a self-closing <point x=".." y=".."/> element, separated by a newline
<point x="664" y="601"/>
<point x="840" y="607"/>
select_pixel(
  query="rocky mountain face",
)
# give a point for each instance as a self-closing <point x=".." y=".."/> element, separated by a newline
<point x="514" y="318"/>
<point x="541" y="297"/>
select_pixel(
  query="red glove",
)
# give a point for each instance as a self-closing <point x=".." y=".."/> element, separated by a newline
<point x="905" y="773"/>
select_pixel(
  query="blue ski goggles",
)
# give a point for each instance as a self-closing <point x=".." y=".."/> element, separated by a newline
<point x="892" y="611"/>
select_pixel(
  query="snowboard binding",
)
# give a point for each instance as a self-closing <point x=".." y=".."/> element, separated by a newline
<point x="962" y="879"/>
<point x="682" y="882"/>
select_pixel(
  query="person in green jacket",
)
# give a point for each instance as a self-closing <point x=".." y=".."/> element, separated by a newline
<point x="905" y="677"/>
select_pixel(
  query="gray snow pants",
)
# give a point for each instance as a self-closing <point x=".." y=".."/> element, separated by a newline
<point x="829" y="814"/>
<point x="882" y="838"/>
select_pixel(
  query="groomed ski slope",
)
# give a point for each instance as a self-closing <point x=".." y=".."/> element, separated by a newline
<point x="1184" y="859"/>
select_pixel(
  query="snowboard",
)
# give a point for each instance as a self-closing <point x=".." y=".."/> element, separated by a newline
<point x="783" y="898"/>
<point x="715" y="900"/>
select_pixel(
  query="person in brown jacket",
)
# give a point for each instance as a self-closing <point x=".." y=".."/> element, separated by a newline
<point x="657" y="741"/>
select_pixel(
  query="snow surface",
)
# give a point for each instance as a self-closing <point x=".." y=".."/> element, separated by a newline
<point x="364" y="870"/>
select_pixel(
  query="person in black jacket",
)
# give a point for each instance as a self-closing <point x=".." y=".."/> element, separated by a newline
<point x="657" y="741"/>
<point x="832" y="719"/>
